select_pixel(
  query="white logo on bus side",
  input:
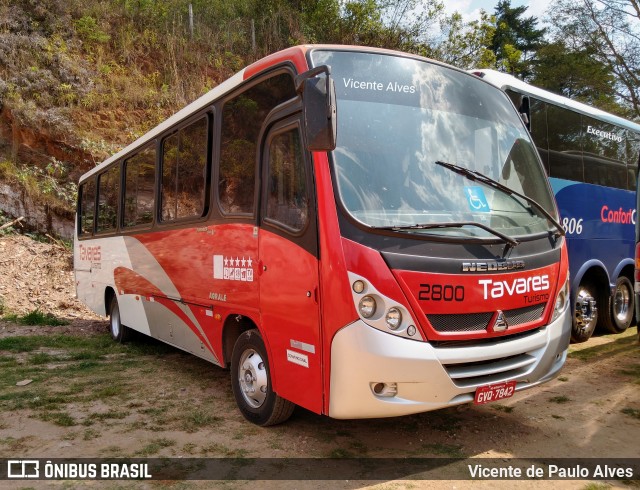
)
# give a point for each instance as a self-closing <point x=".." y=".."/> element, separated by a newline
<point x="521" y="285"/>
<point x="233" y="268"/>
<point x="604" y="134"/>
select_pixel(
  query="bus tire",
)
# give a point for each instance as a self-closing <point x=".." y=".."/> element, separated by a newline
<point x="251" y="382"/>
<point x="119" y="332"/>
<point x="585" y="316"/>
<point x="622" y="307"/>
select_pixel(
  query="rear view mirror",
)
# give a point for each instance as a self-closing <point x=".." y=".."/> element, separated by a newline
<point x="318" y="108"/>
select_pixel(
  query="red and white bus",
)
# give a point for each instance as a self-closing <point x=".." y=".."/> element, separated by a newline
<point x="361" y="232"/>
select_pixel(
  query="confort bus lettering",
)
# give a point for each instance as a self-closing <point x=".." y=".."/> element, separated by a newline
<point x="329" y="275"/>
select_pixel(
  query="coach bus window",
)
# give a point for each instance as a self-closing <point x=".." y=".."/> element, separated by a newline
<point x="604" y="155"/>
<point x="287" y="201"/>
<point x="87" y="206"/>
<point x="140" y="175"/>
<point x="108" y="191"/>
<point x="538" y="126"/>
<point x="184" y="165"/>
<point x="633" y="158"/>
<point x="242" y="119"/>
<point x="565" y="144"/>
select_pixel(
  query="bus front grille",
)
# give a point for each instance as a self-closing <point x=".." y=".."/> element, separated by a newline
<point x="474" y="322"/>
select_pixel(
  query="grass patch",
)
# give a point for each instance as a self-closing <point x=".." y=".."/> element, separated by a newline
<point x="341" y="453"/>
<point x="222" y="450"/>
<point x="199" y="418"/>
<point x="502" y="408"/>
<point x="623" y="342"/>
<point x="62" y="419"/>
<point x="633" y="371"/>
<point x="110" y="415"/>
<point x="564" y="379"/>
<point x="37" y="317"/>
<point x="559" y="417"/>
<point x="448" y="450"/>
<point x="155" y="446"/>
<point x="631" y="412"/>
<point x="560" y="399"/>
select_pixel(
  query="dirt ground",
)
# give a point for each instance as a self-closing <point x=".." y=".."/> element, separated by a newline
<point x="147" y="400"/>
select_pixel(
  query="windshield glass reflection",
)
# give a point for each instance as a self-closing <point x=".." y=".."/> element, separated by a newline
<point x="397" y="117"/>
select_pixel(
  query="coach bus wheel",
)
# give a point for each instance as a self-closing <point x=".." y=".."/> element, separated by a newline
<point x="251" y="382"/>
<point x="585" y="315"/>
<point x="622" y="307"/>
<point x="119" y="332"/>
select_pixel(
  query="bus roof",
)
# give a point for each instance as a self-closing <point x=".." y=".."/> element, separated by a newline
<point x="505" y="81"/>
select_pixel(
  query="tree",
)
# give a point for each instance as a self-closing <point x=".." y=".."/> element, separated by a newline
<point x="466" y="45"/>
<point x="516" y="39"/>
<point x="576" y="74"/>
<point x="610" y="29"/>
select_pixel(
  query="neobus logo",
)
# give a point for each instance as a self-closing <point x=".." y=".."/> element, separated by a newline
<point x="507" y="265"/>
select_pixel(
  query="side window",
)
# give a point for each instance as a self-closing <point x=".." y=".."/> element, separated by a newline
<point x="139" y="182"/>
<point x="184" y="172"/>
<point x="242" y="118"/>
<point x="633" y="158"/>
<point x="287" y="196"/>
<point x="87" y="207"/>
<point x="538" y="124"/>
<point x="565" y="144"/>
<point x="108" y="191"/>
<point x="605" y="154"/>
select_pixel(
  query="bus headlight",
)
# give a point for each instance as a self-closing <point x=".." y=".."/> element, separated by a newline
<point x="367" y="306"/>
<point x="561" y="300"/>
<point x="393" y="318"/>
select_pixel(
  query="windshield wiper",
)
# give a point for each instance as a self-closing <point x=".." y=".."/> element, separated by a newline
<point x="479" y="177"/>
<point x="509" y="241"/>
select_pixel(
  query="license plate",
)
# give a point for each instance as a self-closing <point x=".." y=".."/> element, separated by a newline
<point x="491" y="393"/>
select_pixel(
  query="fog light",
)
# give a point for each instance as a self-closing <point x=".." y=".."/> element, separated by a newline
<point x="393" y="318"/>
<point x="367" y="306"/>
<point x="386" y="390"/>
<point x="411" y="330"/>
<point x="358" y="286"/>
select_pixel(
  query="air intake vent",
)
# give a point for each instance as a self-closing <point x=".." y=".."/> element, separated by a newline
<point x="472" y="322"/>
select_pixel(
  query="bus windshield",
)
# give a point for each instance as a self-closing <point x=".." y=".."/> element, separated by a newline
<point x="398" y="117"/>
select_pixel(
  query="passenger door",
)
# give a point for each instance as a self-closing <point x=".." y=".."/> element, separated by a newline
<point x="288" y="250"/>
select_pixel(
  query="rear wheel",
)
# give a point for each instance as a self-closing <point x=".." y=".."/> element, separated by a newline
<point x="251" y="382"/>
<point x="585" y="316"/>
<point x="622" y="307"/>
<point x="119" y="332"/>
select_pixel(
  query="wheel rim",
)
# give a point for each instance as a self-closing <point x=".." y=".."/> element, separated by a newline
<point x="586" y="311"/>
<point x="622" y="303"/>
<point x="252" y="378"/>
<point x="115" y="322"/>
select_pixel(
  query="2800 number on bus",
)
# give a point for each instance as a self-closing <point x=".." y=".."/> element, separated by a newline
<point x="441" y="292"/>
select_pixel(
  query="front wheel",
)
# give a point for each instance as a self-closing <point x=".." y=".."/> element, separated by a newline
<point x="585" y="316"/>
<point x="119" y="332"/>
<point x="251" y="382"/>
<point x="622" y="307"/>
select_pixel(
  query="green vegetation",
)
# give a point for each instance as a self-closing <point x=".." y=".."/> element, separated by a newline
<point x="81" y="79"/>
<point x="623" y="342"/>
<point x="36" y="317"/>
<point x="448" y="450"/>
<point x="560" y="399"/>
<point x="631" y="412"/>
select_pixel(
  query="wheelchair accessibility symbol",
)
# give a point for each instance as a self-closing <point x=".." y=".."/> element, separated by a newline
<point x="476" y="199"/>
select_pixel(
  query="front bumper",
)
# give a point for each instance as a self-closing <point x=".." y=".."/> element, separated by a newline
<point x="428" y="377"/>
